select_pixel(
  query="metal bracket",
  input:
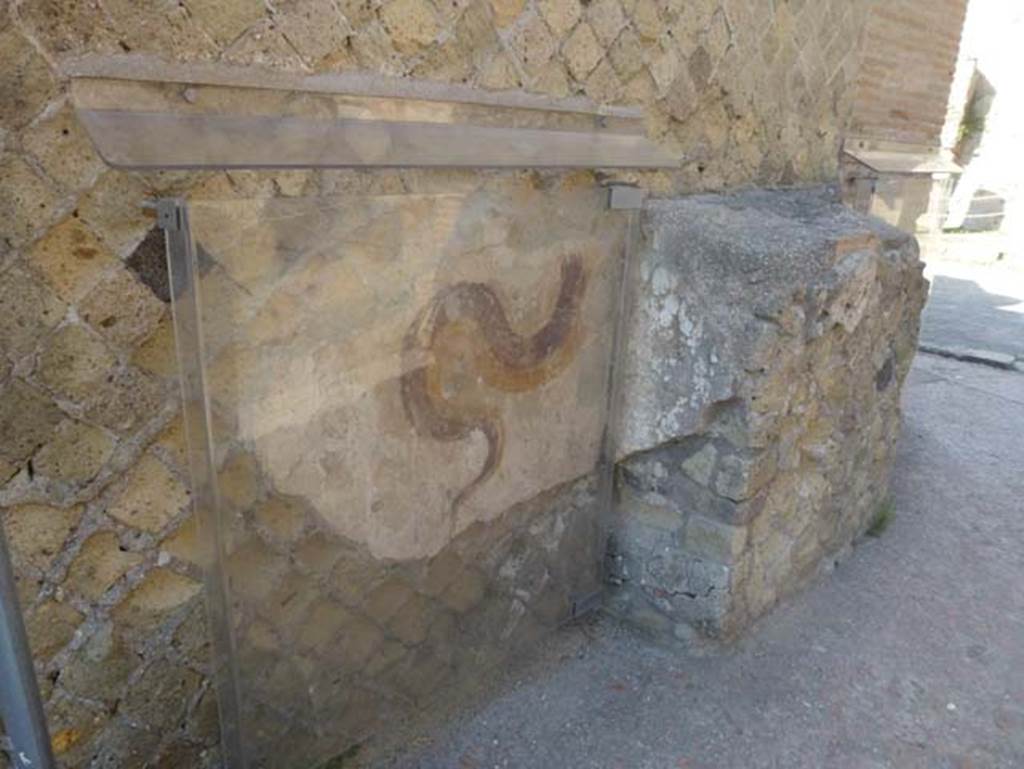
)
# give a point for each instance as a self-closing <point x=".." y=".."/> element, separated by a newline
<point x="625" y="197"/>
<point x="168" y="214"/>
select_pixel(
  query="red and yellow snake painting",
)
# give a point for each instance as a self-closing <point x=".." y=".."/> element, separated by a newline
<point x="461" y="345"/>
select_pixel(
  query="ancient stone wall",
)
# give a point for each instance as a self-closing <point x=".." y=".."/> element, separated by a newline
<point x="93" y="479"/>
<point x="771" y="335"/>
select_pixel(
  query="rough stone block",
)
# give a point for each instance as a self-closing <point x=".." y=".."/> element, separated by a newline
<point x="146" y="26"/>
<point x="667" y="71"/>
<point x="75" y="362"/>
<point x="385" y="600"/>
<point x="607" y="20"/>
<point x="29" y="310"/>
<point x="533" y="44"/>
<point x="204" y="722"/>
<point x="186" y="544"/>
<point x="71" y="258"/>
<point x="72" y="725"/>
<point x="36" y="533"/>
<point x="713" y="540"/>
<point x="121" y="309"/>
<point x="126" y="399"/>
<point x="157" y="354"/>
<point x="322" y="626"/>
<point x="582" y="51"/>
<point x="27" y="420"/>
<point x="741" y="475"/>
<point x="126" y="745"/>
<point x="283" y="519"/>
<point x="28" y="202"/>
<point x="254" y="570"/>
<point x="113" y="209"/>
<point x="239" y="481"/>
<point x="647" y="19"/>
<point x="151" y="496"/>
<point x="192" y="640"/>
<point x="763" y="323"/>
<point x="264" y="45"/>
<point x="160" y="696"/>
<point x="68" y="28"/>
<point x="626" y="54"/>
<point x="26" y="83"/>
<point x="63" y="149"/>
<point x="552" y="79"/>
<point x="288" y="606"/>
<point x="411" y="24"/>
<point x="316" y="25"/>
<point x="499" y="73"/>
<point x="319" y="552"/>
<point x="701" y="464"/>
<point x="465" y="592"/>
<point x="100" y="668"/>
<point x="75" y="454"/>
<point x="506" y="11"/>
<point x="152" y="601"/>
<point x="225" y="20"/>
<point x="50" y="626"/>
<point x="603" y="85"/>
<point x="440" y="572"/>
<point x="101" y="562"/>
<point x="411" y="623"/>
<point x="561" y="15"/>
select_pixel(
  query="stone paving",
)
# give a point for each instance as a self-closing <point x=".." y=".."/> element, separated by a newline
<point x="909" y="655"/>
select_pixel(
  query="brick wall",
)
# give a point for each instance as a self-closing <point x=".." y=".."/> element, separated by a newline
<point x="910" y="51"/>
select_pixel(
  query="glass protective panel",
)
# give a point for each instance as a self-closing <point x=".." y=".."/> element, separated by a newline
<point x="397" y="411"/>
<point x="146" y="114"/>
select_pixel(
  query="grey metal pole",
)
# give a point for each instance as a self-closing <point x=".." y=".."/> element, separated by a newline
<point x="20" y="706"/>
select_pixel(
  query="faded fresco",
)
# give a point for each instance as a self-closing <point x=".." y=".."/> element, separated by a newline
<point x="465" y="335"/>
<point x="413" y="364"/>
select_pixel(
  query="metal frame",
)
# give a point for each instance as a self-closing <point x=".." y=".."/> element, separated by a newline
<point x="630" y="200"/>
<point x="183" y="269"/>
<point x="20" y="705"/>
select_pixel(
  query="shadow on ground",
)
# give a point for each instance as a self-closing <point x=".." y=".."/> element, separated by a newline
<point x="961" y="314"/>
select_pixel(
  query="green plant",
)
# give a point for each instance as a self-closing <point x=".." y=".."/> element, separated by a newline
<point x="882" y="519"/>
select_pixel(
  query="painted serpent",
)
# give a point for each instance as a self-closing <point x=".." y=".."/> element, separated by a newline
<point x="464" y="330"/>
